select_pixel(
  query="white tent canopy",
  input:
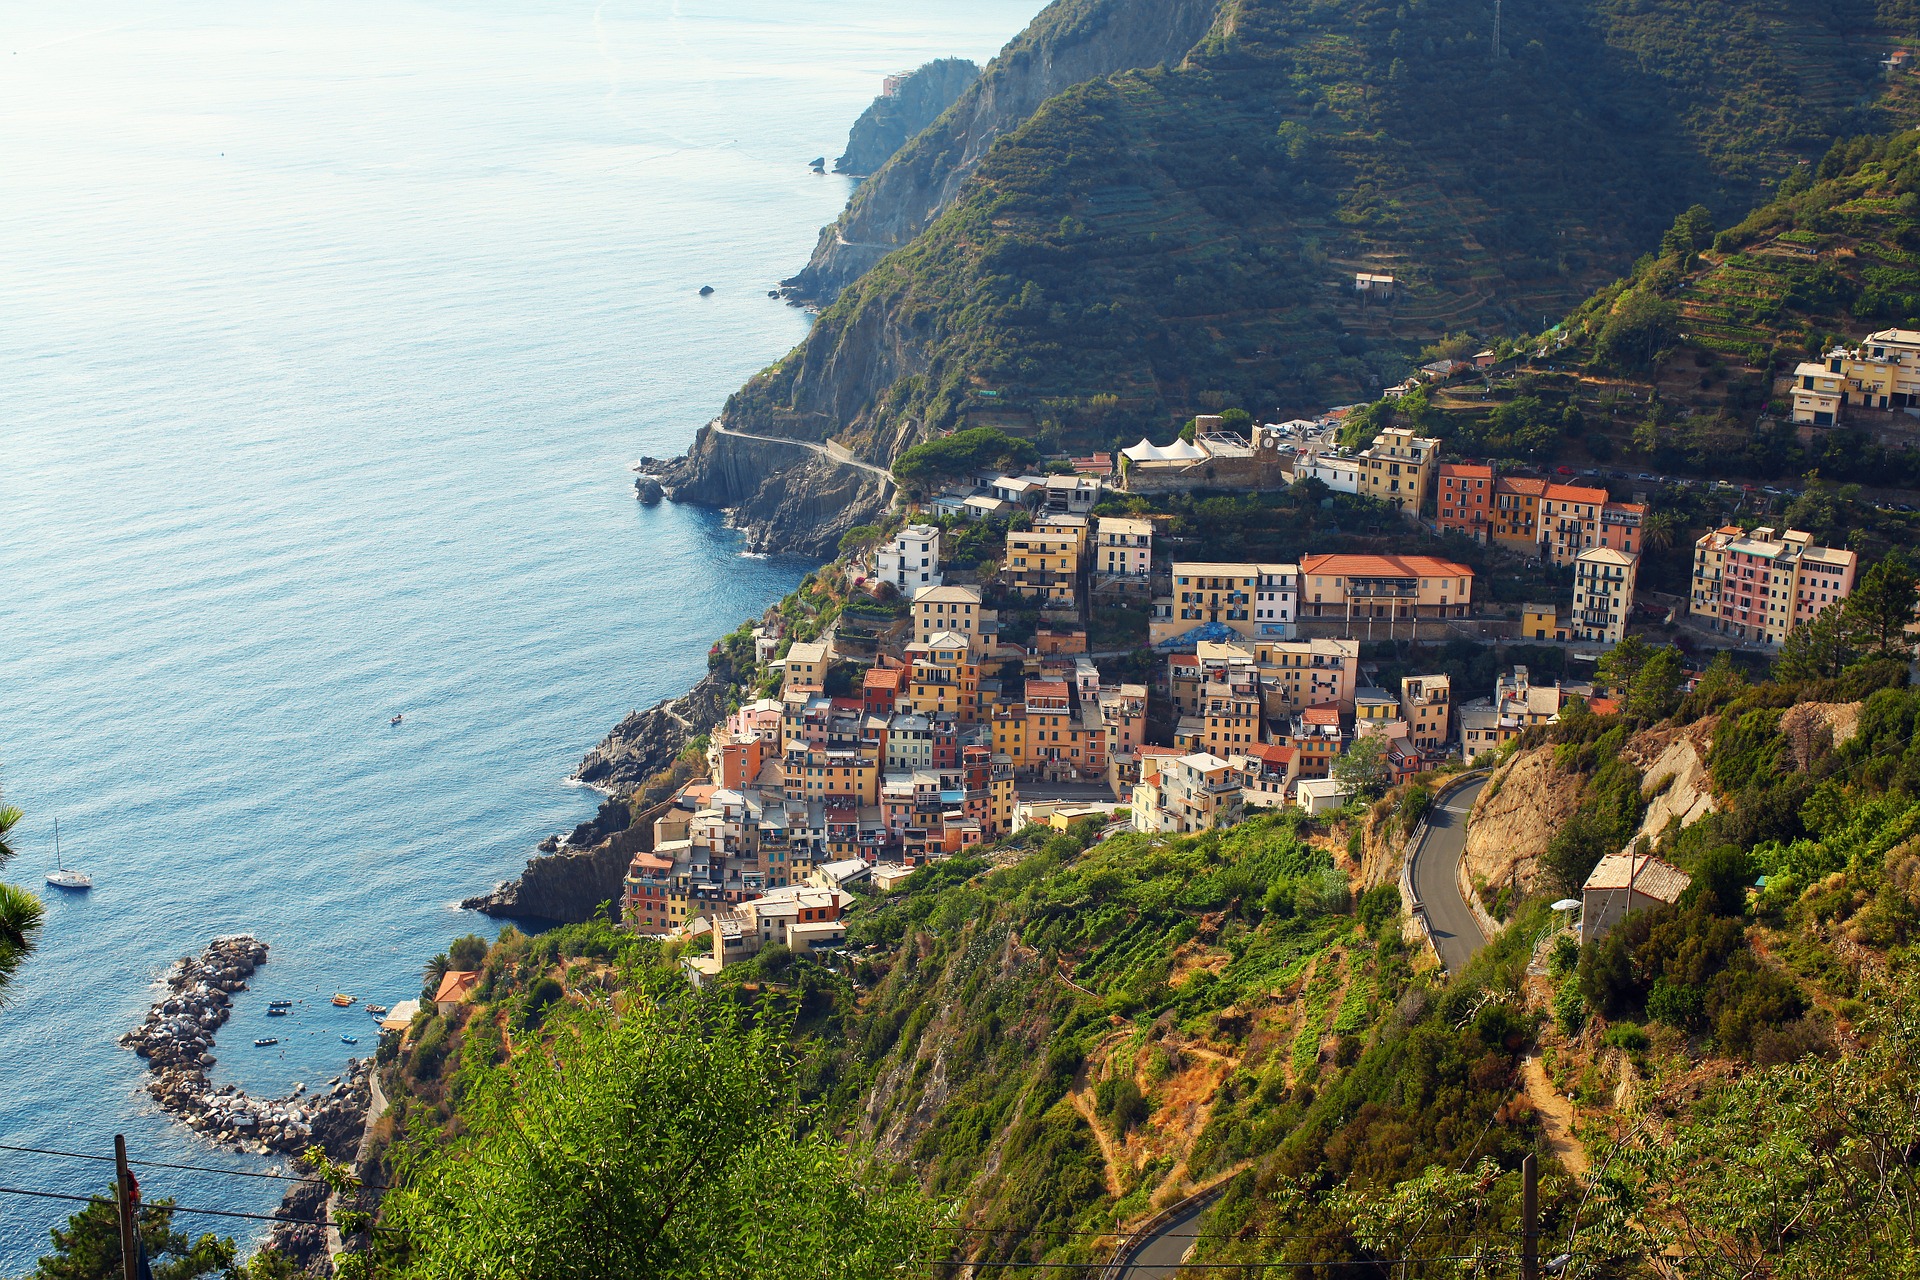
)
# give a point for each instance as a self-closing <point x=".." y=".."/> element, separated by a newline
<point x="1178" y="451"/>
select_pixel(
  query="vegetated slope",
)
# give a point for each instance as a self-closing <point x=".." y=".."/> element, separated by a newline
<point x="1158" y="241"/>
<point x="1834" y="256"/>
<point x="896" y="118"/>
<point x="1068" y="42"/>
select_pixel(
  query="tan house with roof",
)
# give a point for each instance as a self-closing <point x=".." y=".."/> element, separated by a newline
<point x="1044" y="565"/>
<point x="1389" y="587"/>
<point x="1624" y="883"/>
<point x="1398" y="469"/>
<point x="957" y="609"/>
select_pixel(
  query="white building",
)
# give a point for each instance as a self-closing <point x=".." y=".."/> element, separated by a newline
<point x="1624" y="883"/>
<point x="1603" y="582"/>
<point x="911" y="560"/>
<point x="1275" y="601"/>
<point x="1319" y="795"/>
<point x="1123" y="550"/>
<point x="1339" y="473"/>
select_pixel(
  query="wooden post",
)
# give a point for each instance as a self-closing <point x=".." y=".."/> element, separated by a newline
<point x="123" y="1196"/>
<point x="1529" y="1219"/>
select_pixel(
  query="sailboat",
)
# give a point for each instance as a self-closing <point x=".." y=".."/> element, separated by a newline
<point x="60" y="877"/>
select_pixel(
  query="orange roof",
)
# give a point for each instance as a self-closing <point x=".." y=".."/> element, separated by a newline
<point x="1273" y="753"/>
<point x="1471" y="470"/>
<point x="1327" y="713"/>
<point x="456" y="985"/>
<point x="884" y="678"/>
<point x="1358" y="566"/>
<point x="650" y="862"/>
<point x="1521" y="484"/>
<point x="1183" y="660"/>
<point x="1604" y="706"/>
<point x="1638" y="508"/>
<point x="1046" y="689"/>
<point x="1576" y="493"/>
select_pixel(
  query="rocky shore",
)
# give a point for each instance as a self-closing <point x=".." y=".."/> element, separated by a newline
<point x="177" y="1040"/>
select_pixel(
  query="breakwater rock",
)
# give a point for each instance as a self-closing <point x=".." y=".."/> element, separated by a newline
<point x="177" y="1040"/>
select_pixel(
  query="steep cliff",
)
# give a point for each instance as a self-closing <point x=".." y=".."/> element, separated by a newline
<point x="1070" y="41"/>
<point x="1182" y="236"/>
<point x="894" y="119"/>
<point x="786" y="497"/>
<point x="565" y="887"/>
<point x="647" y="741"/>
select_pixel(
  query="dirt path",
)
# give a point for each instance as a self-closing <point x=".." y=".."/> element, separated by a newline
<point x="1112" y="1154"/>
<point x="1556" y="1117"/>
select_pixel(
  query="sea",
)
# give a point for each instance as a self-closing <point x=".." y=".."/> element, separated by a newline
<point x="328" y="334"/>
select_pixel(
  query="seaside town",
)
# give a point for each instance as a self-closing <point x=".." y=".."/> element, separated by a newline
<point x="878" y="749"/>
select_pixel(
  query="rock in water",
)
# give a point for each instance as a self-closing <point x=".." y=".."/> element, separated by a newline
<point x="706" y="290"/>
<point x="648" y="490"/>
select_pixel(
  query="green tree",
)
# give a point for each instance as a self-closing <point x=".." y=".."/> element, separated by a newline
<point x="1655" y="691"/>
<point x="1637" y="331"/>
<point x="1362" y="770"/>
<point x="1815" y="650"/>
<point x="469" y="951"/>
<point x="1619" y="665"/>
<point x="1881" y="607"/>
<point x="664" y="1142"/>
<point x="858" y="539"/>
<point x="88" y="1247"/>
<point x="20" y="912"/>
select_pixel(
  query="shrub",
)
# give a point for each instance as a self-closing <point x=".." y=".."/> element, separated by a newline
<point x="1626" y="1035"/>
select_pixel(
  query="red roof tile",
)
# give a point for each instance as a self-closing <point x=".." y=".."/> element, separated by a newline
<point x="1359" y="566"/>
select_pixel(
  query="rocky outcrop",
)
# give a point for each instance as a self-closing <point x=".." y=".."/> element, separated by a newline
<point x="177" y="1041"/>
<point x="567" y="887"/>
<point x="1069" y="42"/>
<point x="893" y="119"/>
<point x="1674" y="776"/>
<point x="785" y="497"/>
<point x="1516" y="815"/>
<point x="648" y="741"/>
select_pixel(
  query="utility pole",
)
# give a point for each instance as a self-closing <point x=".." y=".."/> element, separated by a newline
<point x="123" y="1194"/>
<point x="1494" y="55"/>
<point x="1529" y="1219"/>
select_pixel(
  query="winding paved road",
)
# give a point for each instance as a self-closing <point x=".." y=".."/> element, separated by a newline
<point x="1436" y="879"/>
<point x="839" y="455"/>
<point x="1159" y="1258"/>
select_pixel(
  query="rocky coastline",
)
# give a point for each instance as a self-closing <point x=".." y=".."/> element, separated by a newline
<point x="177" y="1040"/>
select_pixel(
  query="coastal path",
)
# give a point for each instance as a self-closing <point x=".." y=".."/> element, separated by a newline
<point x="1434" y="867"/>
<point x="1156" y="1253"/>
<point x="831" y="450"/>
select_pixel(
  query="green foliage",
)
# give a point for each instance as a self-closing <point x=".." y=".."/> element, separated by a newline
<point x="469" y="951"/>
<point x="568" y="1148"/>
<point x="963" y="452"/>
<point x="1362" y="768"/>
<point x="88" y="1246"/>
<point x="21" y="913"/>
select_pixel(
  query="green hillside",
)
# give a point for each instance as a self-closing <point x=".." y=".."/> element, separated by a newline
<point x="1186" y="237"/>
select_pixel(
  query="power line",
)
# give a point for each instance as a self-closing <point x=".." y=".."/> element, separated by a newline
<point x="160" y="1164"/>
<point x="164" y="1208"/>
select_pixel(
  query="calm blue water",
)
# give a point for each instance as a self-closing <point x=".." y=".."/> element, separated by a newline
<point x="327" y="331"/>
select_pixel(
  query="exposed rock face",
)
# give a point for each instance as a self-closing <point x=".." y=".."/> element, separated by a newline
<point x="1516" y="816"/>
<point x="564" y="888"/>
<point x="648" y="741"/>
<point x="891" y="122"/>
<point x="784" y="496"/>
<point x="1673" y="765"/>
<point x="1071" y="41"/>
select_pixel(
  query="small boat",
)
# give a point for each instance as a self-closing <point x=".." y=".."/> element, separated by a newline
<point x="279" y="1004"/>
<point x="342" y="1000"/>
<point x="397" y="719"/>
<point x="349" y="1039"/>
<point x="277" y="1013"/>
<point x="264" y="1041"/>
<point x="60" y="877"/>
<point x="377" y="1010"/>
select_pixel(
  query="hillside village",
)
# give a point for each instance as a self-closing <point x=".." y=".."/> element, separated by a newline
<point x="1039" y="647"/>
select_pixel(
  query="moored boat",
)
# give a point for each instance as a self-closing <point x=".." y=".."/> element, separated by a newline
<point x="342" y="999"/>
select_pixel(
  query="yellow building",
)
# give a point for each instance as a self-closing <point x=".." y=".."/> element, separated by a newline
<point x="1253" y="600"/>
<point x="817" y="773"/>
<point x="1425" y="704"/>
<point x="1818" y="391"/>
<point x="806" y="668"/>
<point x="1296" y="674"/>
<point x="945" y="678"/>
<point x="1390" y="587"/>
<point x="1539" y="622"/>
<point x="1044" y="565"/>
<point x="956" y="609"/>
<point x="1231" y="715"/>
<point x="1009" y="721"/>
<point x="1398" y="469"/>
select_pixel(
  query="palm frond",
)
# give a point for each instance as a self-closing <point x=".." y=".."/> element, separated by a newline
<point x="20" y="918"/>
<point x="9" y="815"/>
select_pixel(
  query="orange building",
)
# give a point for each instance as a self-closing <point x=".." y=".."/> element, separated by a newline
<point x="1516" y="512"/>
<point x="1465" y="502"/>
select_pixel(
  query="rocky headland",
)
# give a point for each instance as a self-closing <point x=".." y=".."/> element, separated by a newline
<point x="893" y="119"/>
<point x="177" y="1040"/>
